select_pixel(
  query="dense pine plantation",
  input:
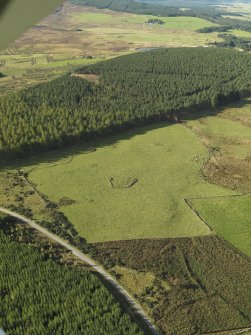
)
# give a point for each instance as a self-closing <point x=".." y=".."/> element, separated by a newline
<point x="41" y="297"/>
<point x="129" y="90"/>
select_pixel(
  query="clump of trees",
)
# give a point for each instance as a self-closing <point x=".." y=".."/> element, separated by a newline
<point x="231" y="41"/>
<point x="39" y="296"/>
<point x="155" y="21"/>
<point x="132" y="90"/>
<point x="211" y="29"/>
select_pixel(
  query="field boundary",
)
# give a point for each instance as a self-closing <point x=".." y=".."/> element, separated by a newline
<point x="230" y="245"/>
<point x="197" y="214"/>
<point x="239" y="331"/>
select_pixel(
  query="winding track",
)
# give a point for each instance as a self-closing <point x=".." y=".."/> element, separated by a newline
<point x="135" y="309"/>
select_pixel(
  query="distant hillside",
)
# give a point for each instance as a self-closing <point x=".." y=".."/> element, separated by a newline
<point x="151" y="8"/>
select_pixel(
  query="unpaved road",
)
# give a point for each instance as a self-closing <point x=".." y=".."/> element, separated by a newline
<point x="135" y="310"/>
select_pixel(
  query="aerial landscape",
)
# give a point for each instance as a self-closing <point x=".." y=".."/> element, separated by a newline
<point x="125" y="169"/>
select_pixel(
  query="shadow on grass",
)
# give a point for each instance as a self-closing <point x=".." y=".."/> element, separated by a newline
<point x="111" y="138"/>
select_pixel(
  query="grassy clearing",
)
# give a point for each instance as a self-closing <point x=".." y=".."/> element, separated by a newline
<point x="240" y="33"/>
<point x="133" y="280"/>
<point x="230" y="218"/>
<point x="127" y="19"/>
<point x="166" y="163"/>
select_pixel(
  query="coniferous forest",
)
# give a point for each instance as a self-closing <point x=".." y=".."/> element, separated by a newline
<point x="129" y="90"/>
<point x="41" y="297"/>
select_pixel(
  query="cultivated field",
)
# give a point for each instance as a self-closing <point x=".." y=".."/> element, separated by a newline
<point x="130" y="186"/>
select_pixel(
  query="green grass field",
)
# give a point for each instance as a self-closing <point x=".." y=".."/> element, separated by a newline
<point x="132" y="186"/>
<point x="230" y="218"/>
<point x="127" y="19"/>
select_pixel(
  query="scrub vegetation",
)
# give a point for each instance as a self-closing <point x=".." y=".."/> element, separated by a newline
<point x="206" y="280"/>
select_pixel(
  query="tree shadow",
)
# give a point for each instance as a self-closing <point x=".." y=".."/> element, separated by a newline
<point x="113" y="138"/>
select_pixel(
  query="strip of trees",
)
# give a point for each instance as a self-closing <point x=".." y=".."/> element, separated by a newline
<point x="132" y="90"/>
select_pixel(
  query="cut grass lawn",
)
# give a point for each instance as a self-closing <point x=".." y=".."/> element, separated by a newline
<point x="166" y="162"/>
<point x="230" y="218"/>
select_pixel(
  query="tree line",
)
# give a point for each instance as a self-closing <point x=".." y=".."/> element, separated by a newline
<point x="132" y="90"/>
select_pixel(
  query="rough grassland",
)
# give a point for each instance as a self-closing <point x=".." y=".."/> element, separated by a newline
<point x="228" y="135"/>
<point x="166" y="163"/>
<point x="209" y="283"/>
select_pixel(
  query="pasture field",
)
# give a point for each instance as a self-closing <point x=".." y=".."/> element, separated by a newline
<point x="99" y="17"/>
<point x="130" y="187"/>
<point x="230" y="218"/>
<point x="240" y="33"/>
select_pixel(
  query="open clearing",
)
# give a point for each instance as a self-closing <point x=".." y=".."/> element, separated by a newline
<point x="166" y="162"/>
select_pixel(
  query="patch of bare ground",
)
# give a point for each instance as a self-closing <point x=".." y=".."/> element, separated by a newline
<point x="231" y="173"/>
<point x="90" y="77"/>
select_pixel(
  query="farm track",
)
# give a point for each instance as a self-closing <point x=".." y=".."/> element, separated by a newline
<point x="126" y="300"/>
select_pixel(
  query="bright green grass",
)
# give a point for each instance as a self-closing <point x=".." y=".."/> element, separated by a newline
<point x="166" y="162"/>
<point x="151" y="38"/>
<point x="240" y="33"/>
<point x="230" y="218"/>
<point x="110" y="17"/>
